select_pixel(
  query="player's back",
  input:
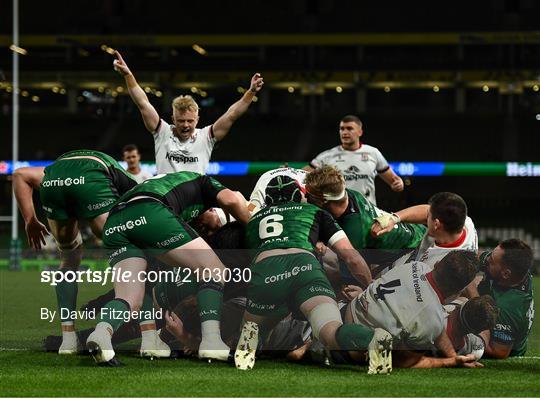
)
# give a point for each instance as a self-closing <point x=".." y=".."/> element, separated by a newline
<point x="405" y="303"/>
<point x="289" y="225"/>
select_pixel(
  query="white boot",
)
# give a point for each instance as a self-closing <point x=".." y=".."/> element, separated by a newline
<point x="70" y="343"/>
<point x="380" y="352"/>
<point x="153" y="346"/>
<point x="99" y="343"/>
<point x="244" y="356"/>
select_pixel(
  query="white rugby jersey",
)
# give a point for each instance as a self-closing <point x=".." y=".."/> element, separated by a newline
<point x="173" y="155"/>
<point x="358" y="167"/>
<point x="430" y="253"/>
<point x="141" y="176"/>
<point x="258" y="194"/>
<point x="405" y="302"/>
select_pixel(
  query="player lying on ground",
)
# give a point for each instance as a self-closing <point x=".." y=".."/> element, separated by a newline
<point x="79" y="185"/>
<point x="285" y="274"/>
<point x="506" y="276"/>
<point x="154" y="217"/>
<point x="408" y="301"/>
<point x="466" y="319"/>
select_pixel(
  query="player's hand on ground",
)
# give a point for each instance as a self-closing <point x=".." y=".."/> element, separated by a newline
<point x="36" y="232"/>
<point x="257" y="83"/>
<point x="468" y="361"/>
<point x="120" y="65"/>
<point x="174" y="324"/>
<point x="349" y="292"/>
<point x="397" y="185"/>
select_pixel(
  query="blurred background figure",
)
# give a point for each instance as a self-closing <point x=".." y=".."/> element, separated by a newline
<point x="131" y="155"/>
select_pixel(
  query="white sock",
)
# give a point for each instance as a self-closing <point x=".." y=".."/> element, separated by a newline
<point x="210" y="330"/>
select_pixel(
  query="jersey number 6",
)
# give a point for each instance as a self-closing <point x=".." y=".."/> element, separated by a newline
<point x="270" y="226"/>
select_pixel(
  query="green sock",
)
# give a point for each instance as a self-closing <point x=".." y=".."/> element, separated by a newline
<point x="353" y="337"/>
<point x="66" y="295"/>
<point x="209" y="302"/>
<point x="108" y="316"/>
<point x="146" y="309"/>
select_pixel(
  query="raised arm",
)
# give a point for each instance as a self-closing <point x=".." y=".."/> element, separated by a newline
<point x="25" y="180"/>
<point x="224" y="123"/>
<point x="137" y="94"/>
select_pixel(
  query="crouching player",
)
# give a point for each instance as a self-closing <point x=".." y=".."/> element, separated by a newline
<point x="286" y="275"/>
<point x="154" y="217"/>
<point x="79" y="185"/>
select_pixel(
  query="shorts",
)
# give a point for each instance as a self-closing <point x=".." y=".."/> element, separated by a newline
<point x="168" y="294"/>
<point x="77" y="188"/>
<point x="143" y="225"/>
<point x="283" y="282"/>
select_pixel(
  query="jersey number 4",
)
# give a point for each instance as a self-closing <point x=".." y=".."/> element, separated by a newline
<point x="270" y="226"/>
<point x="386" y="288"/>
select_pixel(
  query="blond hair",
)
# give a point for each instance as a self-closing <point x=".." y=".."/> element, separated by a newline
<point x="325" y="180"/>
<point x="184" y="104"/>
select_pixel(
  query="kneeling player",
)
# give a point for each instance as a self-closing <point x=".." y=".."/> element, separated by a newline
<point x="153" y="217"/>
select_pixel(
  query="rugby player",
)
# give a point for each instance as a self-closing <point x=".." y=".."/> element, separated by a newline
<point x="286" y="275"/>
<point x="448" y="228"/>
<point x="257" y="197"/>
<point x="408" y="301"/>
<point x="325" y="187"/>
<point x="506" y="276"/>
<point x="153" y="218"/>
<point x="358" y="162"/>
<point x="79" y="185"/>
<point x="181" y="146"/>
<point x="132" y="157"/>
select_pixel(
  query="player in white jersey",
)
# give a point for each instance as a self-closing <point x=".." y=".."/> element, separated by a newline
<point x="408" y="301"/>
<point x="132" y="157"/>
<point x="181" y="146"/>
<point x="449" y="228"/>
<point x="358" y="162"/>
<point x="257" y="197"/>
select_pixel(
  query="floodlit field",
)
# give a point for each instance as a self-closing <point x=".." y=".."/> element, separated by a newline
<point x="27" y="371"/>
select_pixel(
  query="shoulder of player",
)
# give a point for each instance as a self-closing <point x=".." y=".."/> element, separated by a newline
<point x="330" y="152"/>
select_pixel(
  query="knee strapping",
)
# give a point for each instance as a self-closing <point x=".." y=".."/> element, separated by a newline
<point x="71" y="245"/>
<point x="321" y="315"/>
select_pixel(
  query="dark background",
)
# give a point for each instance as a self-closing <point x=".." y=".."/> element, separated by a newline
<point x="458" y="46"/>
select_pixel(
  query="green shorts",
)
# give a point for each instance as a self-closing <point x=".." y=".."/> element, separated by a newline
<point x="168" y="294"/>
<point x="283" y="282"/>
<point x="146" y="224"/>
<point x="77" y="188"/>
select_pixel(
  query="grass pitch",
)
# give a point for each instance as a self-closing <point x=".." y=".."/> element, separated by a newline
<point x="27" y="371"/>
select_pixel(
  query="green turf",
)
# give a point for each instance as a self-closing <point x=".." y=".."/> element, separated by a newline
<point x="30" y="372"/>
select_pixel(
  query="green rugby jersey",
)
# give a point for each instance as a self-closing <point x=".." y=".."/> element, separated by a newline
<point x="188" y="194"/>
<point x="291" y="225"/>
<point x="357" y="220"/>
<point x="121" y="179"/>
<point x="516" y="311"/>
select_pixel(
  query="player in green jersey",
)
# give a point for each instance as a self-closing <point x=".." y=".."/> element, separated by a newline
<point x="355" y="214"/>
<point x="152" y="219"/>
<point x="507" y="278"/>
<point x="286" y="275"/>
<point x="79" y="185"/>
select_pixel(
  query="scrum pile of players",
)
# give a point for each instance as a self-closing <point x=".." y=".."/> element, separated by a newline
<point x="308" y="268"/>
<point x="332" y="279"/>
